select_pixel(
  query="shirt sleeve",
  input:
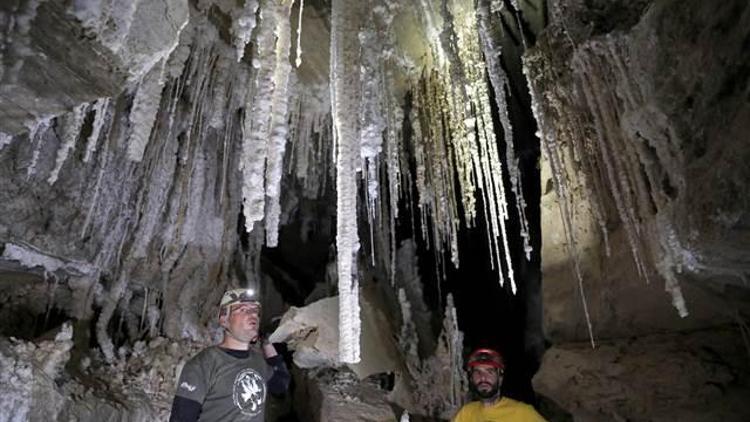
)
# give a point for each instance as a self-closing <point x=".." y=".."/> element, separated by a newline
<point x="185" y="410"/>
<point x="193" y="381"/>
<point x="280" y="377"/>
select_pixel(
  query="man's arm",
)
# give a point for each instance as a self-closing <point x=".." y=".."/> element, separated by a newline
<point x="185" y="410"/>
<point x="279" y="381"/>
<point x="191" y="390"/>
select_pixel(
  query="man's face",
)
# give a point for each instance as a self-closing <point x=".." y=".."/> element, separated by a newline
<point x="486" y="380"/>
<point x="242" y="321"/>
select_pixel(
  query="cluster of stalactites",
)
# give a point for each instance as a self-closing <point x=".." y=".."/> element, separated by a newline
<point x="552" y="153"/>
<point x="631" y="170"/>
<point x="367" y="140"/>
<point x="453" y="132"/>
<point x="266" y="120"/>
<point x="589" y="143"/>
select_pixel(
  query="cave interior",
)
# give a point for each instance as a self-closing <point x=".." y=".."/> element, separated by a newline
<point x="565" y="181"/>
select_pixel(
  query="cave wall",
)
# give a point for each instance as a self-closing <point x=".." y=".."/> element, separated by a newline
<point x="122" y="219"/>
<point x="644" y="110"/>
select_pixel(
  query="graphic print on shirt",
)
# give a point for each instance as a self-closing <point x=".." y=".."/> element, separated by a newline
<point x="187" y="386"/>
<point x="249" y="392"/>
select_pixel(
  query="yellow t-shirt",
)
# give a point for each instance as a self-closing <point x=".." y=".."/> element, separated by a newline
<point x="504" y="410"/>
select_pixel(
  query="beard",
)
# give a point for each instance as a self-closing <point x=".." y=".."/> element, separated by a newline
<point x="485" y="393"/>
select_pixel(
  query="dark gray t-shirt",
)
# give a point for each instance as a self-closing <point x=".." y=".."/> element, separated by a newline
<point x="229" y="388"/>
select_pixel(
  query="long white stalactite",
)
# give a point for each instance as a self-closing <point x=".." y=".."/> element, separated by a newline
<point x="257" y="124"/>
<point x="501" y="87"/>
<point x="344" y="82"/>
<point x="298" y="60"/>
<point x="279" y="126"/>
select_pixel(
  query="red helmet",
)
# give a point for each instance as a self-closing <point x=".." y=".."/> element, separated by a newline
<point x="487" y="357"/>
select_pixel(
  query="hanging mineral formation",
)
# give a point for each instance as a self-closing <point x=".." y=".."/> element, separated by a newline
<point x="266" y="124"/>
<point x="344" y="95"/>
<point x="455" y="124"/>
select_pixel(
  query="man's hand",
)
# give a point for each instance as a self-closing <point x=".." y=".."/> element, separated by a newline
<point x="269" y="350"/>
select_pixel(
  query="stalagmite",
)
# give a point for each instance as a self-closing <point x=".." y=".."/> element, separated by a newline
<point x="455" y="341"/>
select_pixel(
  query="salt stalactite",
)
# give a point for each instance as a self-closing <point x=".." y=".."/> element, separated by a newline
<point x="199" y="80"/>
<point x="222" y="75"/>
<point x="394" y="156"/>
<point x="102" y="165"/>
<point x="36" y="137"/>
<point x="298" y="60"/>
<point x="101" y="106"/>
<point x="243" y="25"/>
<point x="73" y="124"/>
<point x="311" y="147"/>
<point x="435" y="167"/>
<point x="238" y="91"/>
<point x="145" y="108"/>
<point x="617" y="174"/>
<point x="551" y="151"/>
<point x="279" y="129"/>
<point x="500" y="84"/>
<point x="256" y="126"/>
<point x="672" y="262"/>
<point x="344" y="79"/>
<point x="371" y="113"/>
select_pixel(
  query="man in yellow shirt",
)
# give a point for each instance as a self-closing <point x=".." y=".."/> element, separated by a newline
<point x="486" y="370"/>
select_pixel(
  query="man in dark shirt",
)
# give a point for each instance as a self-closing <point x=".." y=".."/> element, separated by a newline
<point x="230" y="382"/>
